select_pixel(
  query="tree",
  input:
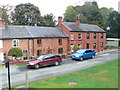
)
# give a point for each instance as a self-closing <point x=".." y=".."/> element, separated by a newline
<point x="26" y="14"/>
<point x="75" y="48"/>
<point x="89" y="13"/>
<point x="5" y="11"/>
<point x="114" y="23"/>
<point x="70" y="14"/>
<point x="15" y="52"/>
<point x="49" y="20"/>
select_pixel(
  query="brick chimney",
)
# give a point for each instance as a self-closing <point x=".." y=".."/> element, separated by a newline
<point x="60" y="21"/>
<point x="2" y="23"/>
<point x="78" y="21"/>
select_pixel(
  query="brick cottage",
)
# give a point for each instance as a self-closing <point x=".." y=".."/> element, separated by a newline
<point x="35" y="40"/>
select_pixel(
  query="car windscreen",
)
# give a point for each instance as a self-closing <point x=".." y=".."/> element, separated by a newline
<point x="81" y="51"/>
<point x="40" y="57"/>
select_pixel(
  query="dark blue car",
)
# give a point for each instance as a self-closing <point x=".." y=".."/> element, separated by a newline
<point x="84" y="54"/>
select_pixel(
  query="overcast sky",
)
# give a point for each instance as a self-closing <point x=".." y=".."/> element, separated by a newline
<point x="58" y="7"/>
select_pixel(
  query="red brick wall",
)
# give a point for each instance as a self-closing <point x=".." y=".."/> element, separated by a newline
<point x="84" y="40"/>
<point x="51" y="43"/>
<point x="27" y="44"/>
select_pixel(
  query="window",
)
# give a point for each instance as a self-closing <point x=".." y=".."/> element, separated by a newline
<point x="1" y="44"/>
<point x="94" y="45"/>
<point x="52" y="57"/>
<point x="25" y="54"/>
<point x="94" y="35"/>
<point x="102" y="35"/>
<point x="88" y="36"/>
<point x="101" y="44"/>
<point x="15" y="43"/>
<point x="72" y="36"/>
<point x="72" y="46"/>
<point x="60" y="50"/>
<point x="87" y="45"/>
<point x="79" y="36"/>
<point x="39" y="52"/>
<point x="80" y="45"/>
<point x="60" y="41"/>
<point x="39" y="42"/>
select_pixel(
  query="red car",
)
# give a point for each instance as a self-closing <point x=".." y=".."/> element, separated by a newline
<point x="44" y="60"/>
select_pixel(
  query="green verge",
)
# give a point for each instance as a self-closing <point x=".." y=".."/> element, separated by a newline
<point x="101" y="76"/>
<point x="21" y="65"/>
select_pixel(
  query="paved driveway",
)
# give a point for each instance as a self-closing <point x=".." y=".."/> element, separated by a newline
<point x="18" y="73"/>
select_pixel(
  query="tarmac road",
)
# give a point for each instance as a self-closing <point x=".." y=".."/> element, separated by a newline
<point x="67" y="66"/>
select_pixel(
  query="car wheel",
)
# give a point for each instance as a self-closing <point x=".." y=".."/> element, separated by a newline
<point x="81" y="58"/>
<point x="56" y="63"/>
<point x="37" y="66"/>
<point x="93" y="56"/>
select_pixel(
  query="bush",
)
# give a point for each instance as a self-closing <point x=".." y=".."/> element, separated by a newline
<point x="15" y="52"/>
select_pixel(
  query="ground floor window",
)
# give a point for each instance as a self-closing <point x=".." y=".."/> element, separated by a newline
<point x="101" y="44"/>
<point x="60" y="50"/>
<point x="94" y="45"/>
<point x="39" y="52"/>
<point x="25" y="55"/>
<point x="87" y="45"/>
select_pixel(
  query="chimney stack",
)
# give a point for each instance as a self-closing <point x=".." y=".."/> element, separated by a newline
<point x="2" y="23"/>
<point x="78" y="21"/>
<point x="59" y="20"/>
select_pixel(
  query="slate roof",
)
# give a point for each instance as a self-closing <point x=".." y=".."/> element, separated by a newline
<point x="73" y="27"/>
<point x="18" y="32"/>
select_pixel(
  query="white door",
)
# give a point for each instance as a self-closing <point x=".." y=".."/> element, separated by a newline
<point x="1" y="56"/>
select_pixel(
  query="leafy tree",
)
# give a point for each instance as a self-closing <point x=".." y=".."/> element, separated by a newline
<point x="75" y="48"/>
<point x="15" y="52"/>
<point x="114" y="23"/>
<point x="49" y="20"/>
<point x="26" y="14"/>
<point x="89" y="13"/>
<point x="70" y="14"/>
<point x="5" y="13"/>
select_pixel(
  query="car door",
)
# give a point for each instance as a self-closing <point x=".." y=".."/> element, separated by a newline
<point x="46" y="60"/>
<point x="86" y="55"/>
<point x="52" y="59"/>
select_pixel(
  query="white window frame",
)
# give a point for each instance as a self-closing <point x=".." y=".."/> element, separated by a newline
<point x="72" y="36"/>
<point x="80" y="35"/>
<point x="80" y="45"/>
<point x="1" y="43"/>
<point x="15" y="41"/>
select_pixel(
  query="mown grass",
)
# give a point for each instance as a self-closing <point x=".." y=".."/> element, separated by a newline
<point x="101" y="76"/>
<point x="21" y="65"/>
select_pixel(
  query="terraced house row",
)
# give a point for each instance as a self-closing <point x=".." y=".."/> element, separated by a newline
<point x="36" y="40"/>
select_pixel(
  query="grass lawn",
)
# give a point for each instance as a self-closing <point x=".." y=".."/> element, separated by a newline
<point x="101" y="76"/>
<point x="21" y="65"/>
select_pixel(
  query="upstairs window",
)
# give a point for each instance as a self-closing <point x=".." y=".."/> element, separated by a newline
<point x="94" y="35"/>
<point x="79" y="36"/>
<point x="88" y="36"/>
<point x="72" y="36"/>
<point x="15" y="43"/>
<point x="60" y="41"/>
<point x="102" y="35"/>
<point x="39" y="42"/>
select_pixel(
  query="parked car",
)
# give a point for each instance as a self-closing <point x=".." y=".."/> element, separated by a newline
<point x="84" y="54"/>
<point x="44" y="60"/>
